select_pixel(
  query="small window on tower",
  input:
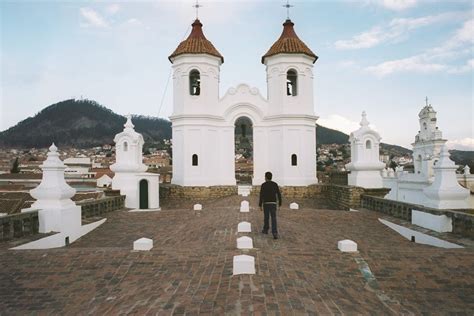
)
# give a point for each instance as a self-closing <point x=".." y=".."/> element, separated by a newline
<point x="195" y="160"/>
<point x="194" y="82"/>
<point x="291" y="79"/>
<point x="368" y="144"/>
<point x="294" y="160"/>
<point x="125" y="146"/>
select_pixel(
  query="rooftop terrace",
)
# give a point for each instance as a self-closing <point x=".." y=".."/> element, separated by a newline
<point x="189" y="270"/>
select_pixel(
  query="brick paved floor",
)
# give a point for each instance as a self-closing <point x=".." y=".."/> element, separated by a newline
<point x="189" y="270"/>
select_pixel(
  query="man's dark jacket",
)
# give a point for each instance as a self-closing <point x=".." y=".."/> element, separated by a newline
<point x="269" y="192"/>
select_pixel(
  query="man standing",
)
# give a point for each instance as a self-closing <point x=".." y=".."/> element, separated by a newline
<point x="269" y="194"/>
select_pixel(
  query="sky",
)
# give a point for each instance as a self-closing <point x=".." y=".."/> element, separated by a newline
<point x="379" y="56"/>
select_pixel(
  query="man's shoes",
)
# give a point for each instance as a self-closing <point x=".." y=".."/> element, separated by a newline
<point x="275" y="236"/>
<point x="264" y="232"/>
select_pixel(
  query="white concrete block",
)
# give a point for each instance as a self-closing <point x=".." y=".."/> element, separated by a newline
<point x="244" y="242"/>
<point x="294" y="206"/>
<point x="244" y="264"/>
<point x="244" y="206"/>
<point x="346" y="245"/>
<point x="197" y="207"/>
<point x="244" y="227"/>
<point x="438" y="223"/>
<point x="3" y="214"/>
<point x="143" y="244"/>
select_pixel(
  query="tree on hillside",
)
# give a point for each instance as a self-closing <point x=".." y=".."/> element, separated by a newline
<point x="16" y="166"/>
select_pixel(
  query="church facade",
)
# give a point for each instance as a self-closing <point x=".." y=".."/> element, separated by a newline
<point x="203" y="122"/>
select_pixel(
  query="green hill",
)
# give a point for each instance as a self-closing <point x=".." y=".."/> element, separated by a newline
<point x="79" y="123"/>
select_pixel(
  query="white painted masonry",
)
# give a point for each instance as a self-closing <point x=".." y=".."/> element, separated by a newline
<point x="203" y="125"/>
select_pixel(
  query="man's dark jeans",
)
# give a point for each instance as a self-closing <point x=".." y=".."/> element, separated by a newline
<point x="270" y="210"/>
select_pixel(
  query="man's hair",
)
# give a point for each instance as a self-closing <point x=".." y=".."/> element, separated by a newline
<point x="268" y="175"/>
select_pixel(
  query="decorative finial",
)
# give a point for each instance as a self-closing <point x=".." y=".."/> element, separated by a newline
<point x="467" y="170"/>
<point x="364" y="121"/>
<point x="128" y="123"/>
<point x="53" y="148"/>
<point x="426" y="100"/>
<point x="288" y="6"/>
<point x="197" y="6"/>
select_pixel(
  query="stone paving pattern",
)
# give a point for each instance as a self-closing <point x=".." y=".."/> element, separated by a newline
<point x="189" y="270"/>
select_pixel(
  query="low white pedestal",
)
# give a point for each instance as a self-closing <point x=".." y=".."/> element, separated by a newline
<point x="244" y="206"/>
<point x="244" y="264"/>
<point x="197" y="207"/>
<point x="347" y="245"/>
<point x="244" y="243"/>
<point x="244" y="227"/>
<point x="143" y="244"/>
<point x="294" y="206"/>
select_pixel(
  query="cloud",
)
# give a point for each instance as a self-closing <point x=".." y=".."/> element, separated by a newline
<point x="398" y="5"/>
<point x="348" y="64"/>
<point x="461" y="144"/>
<point x="112" y="9"/>
<point x="92" y="18"/>
<point x="340" y="123"/>
<point x="410" y="64"/>
<point x="469" y="66"/>
<point x="396" y="30"/>
<point x="434" y="59"/>
<point x="133" y="22"/>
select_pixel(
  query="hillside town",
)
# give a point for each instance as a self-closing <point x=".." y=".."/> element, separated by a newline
<point x="91" y="166"/>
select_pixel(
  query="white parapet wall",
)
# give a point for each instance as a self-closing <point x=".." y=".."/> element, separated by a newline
<point x="419" y="237"/>
<point x="438" y="223"/>
<point x="60" y="239"/>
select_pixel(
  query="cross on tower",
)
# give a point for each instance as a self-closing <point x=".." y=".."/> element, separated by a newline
<point x="197" y="6"/>
<point x="287" y="6"/>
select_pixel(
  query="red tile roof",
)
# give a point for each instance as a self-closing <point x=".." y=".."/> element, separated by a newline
<point x="196" y="43"/>
<point x="289" y="43"/>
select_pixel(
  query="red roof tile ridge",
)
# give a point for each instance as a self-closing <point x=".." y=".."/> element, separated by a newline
<point x="196" y="43"/>
<point x="289" y="43"/>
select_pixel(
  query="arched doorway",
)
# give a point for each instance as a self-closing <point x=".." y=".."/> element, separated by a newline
<point x="243" y="140"/>
<point x="143" y="194"/>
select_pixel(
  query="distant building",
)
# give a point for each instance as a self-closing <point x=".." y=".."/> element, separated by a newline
<point x="79" y="167"/>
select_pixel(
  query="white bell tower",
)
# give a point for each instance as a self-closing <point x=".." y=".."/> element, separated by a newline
<point x="203" y="151"/>
<point x="428" y="143"/>
<point x="292" y="122"/>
